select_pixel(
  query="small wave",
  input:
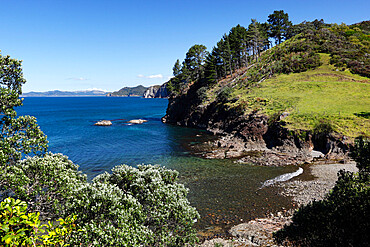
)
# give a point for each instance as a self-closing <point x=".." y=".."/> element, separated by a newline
<point x="282" y="178"/>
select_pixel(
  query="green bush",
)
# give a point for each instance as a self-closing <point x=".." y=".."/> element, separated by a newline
<point x="361" y="154"/>
<point x="43" y="182"/>
<point x="107" y="216"/>
<point x="168" y="216"/>
<point x="323" y="126"/>
<point x="19" y="228"/>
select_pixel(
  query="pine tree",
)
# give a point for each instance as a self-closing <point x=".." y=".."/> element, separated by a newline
<point x="195" y="59"/>
<point x="256" y="38"/>
<point x="279" y="25"/>
<point x="176" y="68"/>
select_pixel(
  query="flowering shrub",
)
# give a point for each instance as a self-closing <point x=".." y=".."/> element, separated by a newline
<point x="167" y="215"/>
<point x="43" y="182"/>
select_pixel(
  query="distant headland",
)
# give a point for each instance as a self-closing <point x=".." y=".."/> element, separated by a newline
<point x="156" y="91"/>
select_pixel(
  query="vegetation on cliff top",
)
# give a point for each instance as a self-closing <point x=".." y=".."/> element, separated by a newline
<point x="319" y="74"/>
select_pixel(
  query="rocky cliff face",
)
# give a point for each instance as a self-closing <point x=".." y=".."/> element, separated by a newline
<point x="253" y="138"/>
<point x="156" y="92"/>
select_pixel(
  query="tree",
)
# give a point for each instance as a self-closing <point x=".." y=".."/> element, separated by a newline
<point x="256" y="38"/>
<point x="225" y="55"/>
<point x="318" y="24"/>
<point x="238" y="39"/>
<point x="210" y="71"/>
<point x="18" y="135"/>
<point x="279" y="24"/>
<point x="194" y="60"/>
<point x="176" y="68"/>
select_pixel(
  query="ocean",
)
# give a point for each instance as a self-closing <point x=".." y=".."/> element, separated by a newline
<point x="224" y="192"/>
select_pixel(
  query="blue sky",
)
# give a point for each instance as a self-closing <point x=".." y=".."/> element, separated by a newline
<point x="78" y="45"/>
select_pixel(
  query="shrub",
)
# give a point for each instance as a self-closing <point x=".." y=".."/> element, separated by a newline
<point x="323" y="126"/>
<point x="18" y="228"/>
<point x="107" y="216"/>
<point x="43" y="182"/>
<point x="361" y="154"/>
<point x="168" y="216"/>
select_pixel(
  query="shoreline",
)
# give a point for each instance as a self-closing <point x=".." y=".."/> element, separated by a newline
<point x="325" y="176"/>
<point x="258" y="232"/>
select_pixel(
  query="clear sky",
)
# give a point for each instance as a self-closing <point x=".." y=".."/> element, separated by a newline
<point x="78" y="45"/>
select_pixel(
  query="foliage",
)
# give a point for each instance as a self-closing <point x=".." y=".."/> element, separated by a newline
<point x="18" y="135"/>
<point x="168" y="216"/>
<point x="309" y="96"/>
<point x="19" y="228"/>
<point x="361" y="154"/>
<point x="323" y="126"/>
<point x="306" y="26"/>
<point x="279" y="23"/>
<point x="130" y="207"/>
<point x="341" y="219"/>
<point x="43" y="182"/>
<point x="107" y="216"/>
<point x="194" y="60"/>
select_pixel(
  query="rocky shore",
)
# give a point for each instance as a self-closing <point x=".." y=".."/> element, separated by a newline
<point x="302" y="192"/>
<point x="258" y="232"/>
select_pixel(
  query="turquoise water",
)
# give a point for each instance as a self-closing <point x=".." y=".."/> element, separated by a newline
<point x="224" y="193"/>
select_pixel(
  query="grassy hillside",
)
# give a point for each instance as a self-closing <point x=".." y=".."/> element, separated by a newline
<point x="324" y="94"/>
<point x="315" y="81"/>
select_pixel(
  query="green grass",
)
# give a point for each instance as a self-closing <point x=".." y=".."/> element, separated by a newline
<point x="340" y="97"/>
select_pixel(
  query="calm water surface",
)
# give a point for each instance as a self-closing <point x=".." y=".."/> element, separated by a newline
<point x="224" y="193"/>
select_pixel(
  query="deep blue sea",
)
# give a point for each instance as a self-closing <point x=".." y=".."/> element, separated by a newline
<point x="224" y="192"/>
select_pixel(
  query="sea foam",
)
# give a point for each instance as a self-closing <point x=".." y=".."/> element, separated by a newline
<point x="282" y="178"/>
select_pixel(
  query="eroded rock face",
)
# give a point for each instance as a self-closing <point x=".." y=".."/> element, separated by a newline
<point x="241" y="134"/>
<point x="156" y="92"/>
<point x="103" y="123"/>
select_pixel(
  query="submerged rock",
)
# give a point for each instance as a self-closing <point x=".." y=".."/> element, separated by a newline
<point x="137" y="121"/>
<point x="103" y="123"/>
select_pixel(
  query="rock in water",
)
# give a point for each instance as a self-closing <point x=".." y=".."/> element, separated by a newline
<point x="103" y="123"/>
<point x="137" y="121"/>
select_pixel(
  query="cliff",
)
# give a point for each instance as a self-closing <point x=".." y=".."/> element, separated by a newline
<point x="295" y="98"/>
<point x="157" y="91"/>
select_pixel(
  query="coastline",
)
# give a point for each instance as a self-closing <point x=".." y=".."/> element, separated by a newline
<point x="325" y="176"/>
<point x="258" y="232"/>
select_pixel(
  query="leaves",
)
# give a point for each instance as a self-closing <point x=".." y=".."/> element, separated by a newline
<point x="18" y="135"/>
<point x="17" y="227"/>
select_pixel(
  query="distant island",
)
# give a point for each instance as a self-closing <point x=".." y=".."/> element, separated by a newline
<point x="58" y="93"/>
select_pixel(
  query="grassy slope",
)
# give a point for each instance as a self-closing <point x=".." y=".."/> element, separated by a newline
<point x="340" y="97"/>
